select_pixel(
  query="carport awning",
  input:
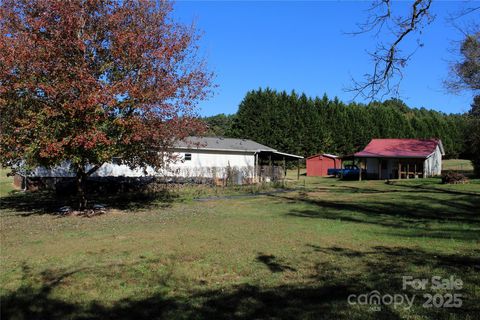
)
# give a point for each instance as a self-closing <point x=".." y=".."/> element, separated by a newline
<point x="281" y="155"/>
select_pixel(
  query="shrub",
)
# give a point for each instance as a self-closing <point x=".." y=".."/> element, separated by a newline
<point x="454" y="178"/>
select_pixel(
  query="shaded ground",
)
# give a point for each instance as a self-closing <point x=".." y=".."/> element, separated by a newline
<point x="297" y="254"/>
<point x="323" y="295"/>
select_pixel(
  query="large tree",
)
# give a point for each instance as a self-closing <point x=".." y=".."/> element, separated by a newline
<point x="82" y="81"/>
<point x="465" y="73"/>
<point x="466" y="76"/>
<point x="473" y="137"/>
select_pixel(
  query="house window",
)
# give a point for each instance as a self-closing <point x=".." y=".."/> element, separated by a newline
<point x="117" y="160"/>
<point x="188" y="157"/>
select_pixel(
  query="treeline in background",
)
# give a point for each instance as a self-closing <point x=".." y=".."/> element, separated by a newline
<point x="298" y="124"/>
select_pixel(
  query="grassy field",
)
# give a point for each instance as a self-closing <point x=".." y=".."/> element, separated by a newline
<point x="294" y="254"/>
<point x="457" y="165"/>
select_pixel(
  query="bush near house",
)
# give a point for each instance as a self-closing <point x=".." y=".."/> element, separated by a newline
<point x="454" y="178"/>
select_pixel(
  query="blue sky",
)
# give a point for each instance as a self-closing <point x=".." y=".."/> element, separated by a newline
<point x="302" y="46"/>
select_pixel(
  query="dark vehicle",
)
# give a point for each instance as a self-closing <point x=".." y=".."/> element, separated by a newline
<point x="349" y="171"/>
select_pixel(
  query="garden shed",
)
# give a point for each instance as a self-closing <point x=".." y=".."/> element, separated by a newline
<point x="317" y="165"/>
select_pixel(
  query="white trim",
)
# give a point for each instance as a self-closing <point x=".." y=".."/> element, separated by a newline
<point x="440" y="144"/>
<point x="395" y="157"/>
<point x="218" y="149"/>
<point x="285" y="154"/>
<point x="330" y="155"/>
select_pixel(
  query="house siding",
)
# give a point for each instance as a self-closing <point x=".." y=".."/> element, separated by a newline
<point x="433" y="164"/>
<point x="203" y="163"/>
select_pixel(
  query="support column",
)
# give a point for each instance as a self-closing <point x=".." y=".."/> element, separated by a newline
<point x="270" y="165"/>
<point x="366" y="168"/>
<point x="399" y="169"/>
<point x="298" y="169"/>
<point x="360" y="170"/>
<point x="408" y="170"/>
<point x="256" y="170"/>
<point x="379" y="169"/>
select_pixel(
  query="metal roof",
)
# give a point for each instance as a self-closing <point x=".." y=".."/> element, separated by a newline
<point x="328" y="155"/>
<point x="226" y="144"/>
<point x="400" y="148"/>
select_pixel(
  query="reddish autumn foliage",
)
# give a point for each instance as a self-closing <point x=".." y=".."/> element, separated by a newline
<point x="86" y="80"/>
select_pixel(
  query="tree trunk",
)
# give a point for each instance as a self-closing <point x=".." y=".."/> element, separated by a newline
<point x="81" y="189"/>
<point x="81" y="178"/>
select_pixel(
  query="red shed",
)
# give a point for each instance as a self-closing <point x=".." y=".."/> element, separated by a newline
<point x="318" y="164"/>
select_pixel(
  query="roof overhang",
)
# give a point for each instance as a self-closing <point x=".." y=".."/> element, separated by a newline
<point x="283" y="154"/>
<point x="392" y="156"/>
<point x="216" y="149"/>
<point x="440" y="145"/>
<point x="289" y="155"/>
<point x="327" y="155"/>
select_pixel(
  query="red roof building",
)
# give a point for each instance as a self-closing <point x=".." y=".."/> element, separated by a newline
<point x="402" y="158"/>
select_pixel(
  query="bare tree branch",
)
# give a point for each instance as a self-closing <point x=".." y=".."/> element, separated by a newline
<point x="465" y="11"/>
<point x="374" y="21"/>
<point x="388" y="60"/>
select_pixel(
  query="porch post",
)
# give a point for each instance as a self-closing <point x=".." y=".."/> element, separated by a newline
<point x="298" y="169"/>
<point x="399" y="169"/>
<point x="270" y="164"/>
<point x="408" y="170"/>
<point x="256" y="170"/>
<point x="360" y="170"/>
<point x="379" y="169"/>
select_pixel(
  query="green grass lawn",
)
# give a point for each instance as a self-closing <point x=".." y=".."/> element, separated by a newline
<point x="294" y="254"/>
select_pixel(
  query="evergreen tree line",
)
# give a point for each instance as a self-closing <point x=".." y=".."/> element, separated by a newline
<point x="298" y="124"/>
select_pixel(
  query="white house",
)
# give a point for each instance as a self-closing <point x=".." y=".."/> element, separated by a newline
<point x="402" y="158"/>
<point x="215" y="157"/>
<point x="198" y="158"/>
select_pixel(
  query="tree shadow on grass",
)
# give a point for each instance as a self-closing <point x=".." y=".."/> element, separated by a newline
<point x="426" y="186"/>
<point x="396" y="187"/>
<point x="382" y="268"/>
<point x="399" y="227"/>
<point x="47" y="202"/>
<point x="240" y="302"/>
<point x="461" y="210"/>
<point x="396" y="256"/>
<point x="456" y="216"/>
<point x="273" y="263"/>
<point x="339" y="273"/>
<point x="38" y="301"/>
